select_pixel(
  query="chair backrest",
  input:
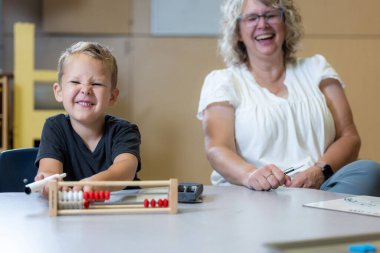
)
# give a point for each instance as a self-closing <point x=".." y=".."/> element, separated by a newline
<point x="17" y="169"/>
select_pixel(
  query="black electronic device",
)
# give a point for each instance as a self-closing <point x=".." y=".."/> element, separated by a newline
<point x="190" y="192"/>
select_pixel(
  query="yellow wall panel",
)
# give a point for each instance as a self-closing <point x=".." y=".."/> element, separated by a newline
<point x="28" y="122"/>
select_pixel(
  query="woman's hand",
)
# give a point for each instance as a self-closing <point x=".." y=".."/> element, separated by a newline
<point x="311" y="178"/>
<point x="266" y="178"/>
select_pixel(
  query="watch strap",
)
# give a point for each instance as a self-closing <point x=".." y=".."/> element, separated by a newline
<point x="326" y="169"/>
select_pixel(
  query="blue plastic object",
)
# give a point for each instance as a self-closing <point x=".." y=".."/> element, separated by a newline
<point x="362" y="248"/>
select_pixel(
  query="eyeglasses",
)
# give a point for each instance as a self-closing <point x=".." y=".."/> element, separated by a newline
<point x="270" y="17"/>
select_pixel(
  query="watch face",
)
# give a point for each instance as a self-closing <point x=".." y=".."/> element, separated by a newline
<point x="327" y="171"/>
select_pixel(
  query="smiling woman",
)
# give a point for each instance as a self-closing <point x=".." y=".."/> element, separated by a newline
<point x="269" y="110"/>
<point x="234" y="51"/>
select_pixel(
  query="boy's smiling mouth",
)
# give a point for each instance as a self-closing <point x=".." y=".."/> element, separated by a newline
<point x="84" y="103"/>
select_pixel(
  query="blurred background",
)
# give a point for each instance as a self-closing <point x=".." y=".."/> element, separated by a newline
<point x="164" y="49"/>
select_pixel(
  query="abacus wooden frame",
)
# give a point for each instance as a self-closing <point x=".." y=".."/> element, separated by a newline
<point x="172" y="185"/>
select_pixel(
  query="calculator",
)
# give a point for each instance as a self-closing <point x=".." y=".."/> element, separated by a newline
<point x="190" y="192"/>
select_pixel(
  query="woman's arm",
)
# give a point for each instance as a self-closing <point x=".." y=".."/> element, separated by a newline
<point x="345" y="148"/>
<point x="218" y="127"/>
<point x="346" y="145"/>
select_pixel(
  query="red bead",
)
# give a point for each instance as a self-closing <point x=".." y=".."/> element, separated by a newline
<point x="90" y="196"/>
<point x="153" y="203"/>
<point x="86" y="204"/>
<point x="85" y="195"/>
<point x="160" y="203"/>
<point x="101" y="195"/>
<point x="146" y="203"/>
<point x="96" y="195"/>
<point x="106" y="195"/>
<point x="166" y="202"/>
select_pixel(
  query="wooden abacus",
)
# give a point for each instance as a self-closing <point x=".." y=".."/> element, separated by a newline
<point x="78" y="205"/>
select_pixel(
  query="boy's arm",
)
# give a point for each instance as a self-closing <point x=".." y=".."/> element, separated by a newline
<point x="48" y="167"/>
<point x="123" y="169"/>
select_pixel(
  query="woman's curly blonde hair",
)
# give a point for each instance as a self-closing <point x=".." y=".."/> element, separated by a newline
<point x="234" y="51"/>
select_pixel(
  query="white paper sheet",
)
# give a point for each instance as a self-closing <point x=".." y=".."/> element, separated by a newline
<point x="366" y="205"/>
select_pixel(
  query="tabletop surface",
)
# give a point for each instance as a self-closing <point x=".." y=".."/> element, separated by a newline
<point x="230" y="219"/>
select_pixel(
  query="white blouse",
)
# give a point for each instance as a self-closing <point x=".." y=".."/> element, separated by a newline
<point x="288" y="132"/>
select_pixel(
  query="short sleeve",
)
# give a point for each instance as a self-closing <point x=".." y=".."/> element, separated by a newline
<point x="124" y="138"/>
<point x="324" y="69"/>
<point x="217" y="87"/>
<point x="52" y="144"/>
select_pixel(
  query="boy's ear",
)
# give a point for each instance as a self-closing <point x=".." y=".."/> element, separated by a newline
<point x="57" y="92"/>
<point x="114" y="95"/>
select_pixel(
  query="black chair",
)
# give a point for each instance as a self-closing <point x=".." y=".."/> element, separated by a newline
<point x="17" y="169"/>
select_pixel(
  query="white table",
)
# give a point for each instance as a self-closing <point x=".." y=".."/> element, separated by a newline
<point x="231" y="219"/>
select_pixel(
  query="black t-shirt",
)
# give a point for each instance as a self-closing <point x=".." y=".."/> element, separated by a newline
<point x="59" y="141"/>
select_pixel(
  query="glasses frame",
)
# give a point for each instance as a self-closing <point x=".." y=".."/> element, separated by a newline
<point x="265" y="15"/>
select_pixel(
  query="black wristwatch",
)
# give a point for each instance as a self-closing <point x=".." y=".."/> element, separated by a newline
<point x="326" y="170"/>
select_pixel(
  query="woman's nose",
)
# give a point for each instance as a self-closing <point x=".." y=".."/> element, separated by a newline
<point x="262" y="22"/>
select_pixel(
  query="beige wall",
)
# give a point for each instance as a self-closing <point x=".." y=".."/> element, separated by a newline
<point x="167" y="75"/>
<point x="161" y="79"/>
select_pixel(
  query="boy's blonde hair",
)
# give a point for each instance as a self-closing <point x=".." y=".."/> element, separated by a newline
<point x="94" y="50"/>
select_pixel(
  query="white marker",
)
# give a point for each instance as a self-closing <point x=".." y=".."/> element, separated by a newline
<point x="38" y="185"/>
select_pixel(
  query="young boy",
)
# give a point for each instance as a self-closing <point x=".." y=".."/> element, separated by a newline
<point x="87" y="144"/>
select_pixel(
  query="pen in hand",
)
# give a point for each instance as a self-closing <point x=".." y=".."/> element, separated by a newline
<point x="38" y="185"/>
<point x="286" y="172"/>
<point x="291" y="169"/>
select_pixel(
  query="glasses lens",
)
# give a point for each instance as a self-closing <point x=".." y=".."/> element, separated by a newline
<point x="270" y="17"/>
<point x="273" y="17"/>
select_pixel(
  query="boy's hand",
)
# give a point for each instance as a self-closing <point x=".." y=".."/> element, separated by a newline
<point x="45" y="190"/>
<point x="83" y="188"/>
<point x="48" y="167"/>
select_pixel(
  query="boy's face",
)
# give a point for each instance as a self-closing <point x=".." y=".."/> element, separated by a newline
<point x="85" y="89"/>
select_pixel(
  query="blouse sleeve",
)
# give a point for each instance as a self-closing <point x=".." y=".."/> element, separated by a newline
<point x="217" y="87"/>
<point x="325" y="70"/>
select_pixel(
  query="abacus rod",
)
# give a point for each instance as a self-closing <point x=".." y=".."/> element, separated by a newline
<point x="113" y="210"/>
<point x="114" y="183"/>
<point x="116" y="206"/>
